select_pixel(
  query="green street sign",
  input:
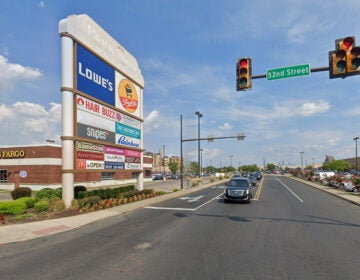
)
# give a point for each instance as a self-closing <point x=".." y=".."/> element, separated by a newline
<point x="288" y="72"/>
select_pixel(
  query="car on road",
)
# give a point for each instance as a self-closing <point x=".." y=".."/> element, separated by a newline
<point x="157" y="177"/>
<point x="238" y="189"/>
<point x="253" y="180"/>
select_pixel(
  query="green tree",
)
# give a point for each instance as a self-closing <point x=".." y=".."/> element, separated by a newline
<point x="271" y="167"/>
<point x="338" y="165"/>
<point x="210" y="169"/>
<point x="228" y="169"/>
<point x="194" y="167"/>
<point x="249" y="168"/>
<point x="174" y="167"/>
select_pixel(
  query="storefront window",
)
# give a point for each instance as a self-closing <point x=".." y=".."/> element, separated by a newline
<point x="3" y="176"/>
<point x="107" y="175"/>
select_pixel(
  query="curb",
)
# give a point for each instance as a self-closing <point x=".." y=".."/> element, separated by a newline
<point x="334" y="192"/>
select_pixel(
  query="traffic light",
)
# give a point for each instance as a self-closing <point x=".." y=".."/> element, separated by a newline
<point x="354" y="65"/>
<point x="243" y="74"/>
<point x="345" y="60"/>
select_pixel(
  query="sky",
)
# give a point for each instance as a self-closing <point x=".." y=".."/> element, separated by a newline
<point x="187" y="52"/>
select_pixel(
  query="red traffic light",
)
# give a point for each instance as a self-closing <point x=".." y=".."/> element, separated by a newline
<point x="243" y="74"/>
<point x="243" y="63"/>
<point x="347" y="43"/>
<point x="345" y="60"/>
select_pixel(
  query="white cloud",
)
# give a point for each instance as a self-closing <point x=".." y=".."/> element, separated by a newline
<point x="310" y="108"/>
<point x="225" y="126"/>
<point x="285" y="110"/>
<point x="11" y="74"/>
<point x="151" y="121"/>
<point x="28" y="109"/>
<point x="26" y="123"/>
<point x="5" y="113"/>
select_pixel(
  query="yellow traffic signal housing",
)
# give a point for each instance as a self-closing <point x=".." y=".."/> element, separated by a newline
<point x="243" y="74"/>
<point x="345" y="60"/>
<point x="338" y="64"/>
<point x="353" y="65"/>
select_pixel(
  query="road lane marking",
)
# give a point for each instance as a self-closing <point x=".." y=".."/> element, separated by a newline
<point x="258" y="191"/>
<point x="183" y="209"/>
<point x="294" y="194"/>
<point x="170" y="208"/>
<point x="191" y="198"/>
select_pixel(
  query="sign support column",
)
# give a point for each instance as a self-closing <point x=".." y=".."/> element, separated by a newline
<point x="67" y="117"/>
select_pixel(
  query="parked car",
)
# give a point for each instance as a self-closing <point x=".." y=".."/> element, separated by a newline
<point x="348" y="186"/>
<point x="238" y="189"/>
<point x="158" y="177"/>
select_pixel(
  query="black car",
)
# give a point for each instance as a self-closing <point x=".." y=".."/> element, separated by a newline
<point x="253" y="180"/>
<point x="238" y="189"/>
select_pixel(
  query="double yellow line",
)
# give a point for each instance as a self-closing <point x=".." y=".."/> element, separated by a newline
<point x="259" y="189"/>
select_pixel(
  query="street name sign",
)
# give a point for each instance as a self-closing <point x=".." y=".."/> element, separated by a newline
<point x="288" y="72"/>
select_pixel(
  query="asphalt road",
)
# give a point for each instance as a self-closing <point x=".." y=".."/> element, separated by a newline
<point x="291" y="232"/>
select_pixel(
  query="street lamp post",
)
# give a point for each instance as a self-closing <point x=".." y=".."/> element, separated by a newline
<point x="163" y="160"/>
<point x="302" y="153"/>
<point x="199" y="116"/>
<point x="201" y="161"/>
<point x="356" y="164"/>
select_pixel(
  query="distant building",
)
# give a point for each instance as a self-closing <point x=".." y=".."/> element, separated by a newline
<point x="161" y="164"/>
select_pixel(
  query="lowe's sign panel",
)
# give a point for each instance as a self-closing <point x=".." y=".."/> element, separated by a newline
<point x="94" y="77"/>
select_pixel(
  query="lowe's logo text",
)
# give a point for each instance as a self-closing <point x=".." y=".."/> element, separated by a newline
<point x="96" y="78"/>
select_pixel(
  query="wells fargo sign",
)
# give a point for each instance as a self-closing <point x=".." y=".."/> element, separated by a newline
<point x="12" y="154"/>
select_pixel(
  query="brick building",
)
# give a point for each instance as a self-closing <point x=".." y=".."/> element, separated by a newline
<point x="40" y="166"/>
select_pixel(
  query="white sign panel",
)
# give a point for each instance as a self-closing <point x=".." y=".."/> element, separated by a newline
<point x="93" y="120"/>
<point x="114" y="158"/>
<point x="95" y="108"/>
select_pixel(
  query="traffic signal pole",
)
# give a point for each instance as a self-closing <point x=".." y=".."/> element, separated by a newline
<point x="240" y="136"/>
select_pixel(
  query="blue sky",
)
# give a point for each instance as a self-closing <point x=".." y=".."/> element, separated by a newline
<point x="187" y="52"/>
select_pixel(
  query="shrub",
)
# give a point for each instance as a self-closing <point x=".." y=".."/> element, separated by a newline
<point x="47" y="194"/>
<point x="106" y="193"/>
<point x="41" y="206"/>
<point x="78" y="189"/>
<point x="21" y="192"/>
<point x="59" y="206"/>
<point x="12" y="207"/>
<point x="52" y="203"/>
<point x="29" y="201"/>
<point x="89" y="201"/>
<point x="74" y="204"/>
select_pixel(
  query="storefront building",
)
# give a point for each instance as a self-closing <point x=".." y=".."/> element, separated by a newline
<point x="40" y="166"/>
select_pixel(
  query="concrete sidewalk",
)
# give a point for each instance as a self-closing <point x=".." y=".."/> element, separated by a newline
<point x="26" y="231"/>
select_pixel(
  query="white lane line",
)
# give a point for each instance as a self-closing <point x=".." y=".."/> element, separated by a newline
<point x="169" y="208"/>
<point x="216" y="197"/>
<point x="184" y="209"/>
<point x="294" y="194"/>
